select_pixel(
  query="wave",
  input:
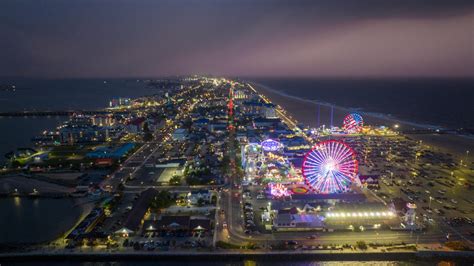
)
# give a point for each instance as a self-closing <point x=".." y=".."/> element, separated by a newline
<point x="384" y="116"/>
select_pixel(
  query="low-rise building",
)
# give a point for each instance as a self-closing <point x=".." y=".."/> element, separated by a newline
<point x="135" y="217"/>
<point x="180" y="134"/>
<point x="298" y="222"/>
<point x="202" y="194"/>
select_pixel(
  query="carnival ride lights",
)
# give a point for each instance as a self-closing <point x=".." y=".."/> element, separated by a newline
<point x="330" y="167"/>
<point x="270" y="145"/>
<point x="353" y="123"/>
<point x="278" y="190"/>
<point x="299" y="190"/>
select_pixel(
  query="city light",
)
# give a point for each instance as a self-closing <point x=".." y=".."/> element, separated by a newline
<point x="385" y="214"/>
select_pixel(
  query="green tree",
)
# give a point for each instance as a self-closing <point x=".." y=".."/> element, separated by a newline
<point x="200" y="202"/>
<point x="148" y="134"/>
<point x="175" y="180"/>
<point x="162" y="200"/>
<point x="361" y="245"/>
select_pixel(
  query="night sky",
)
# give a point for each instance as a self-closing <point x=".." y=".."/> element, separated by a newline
<point x="140" y="38"/>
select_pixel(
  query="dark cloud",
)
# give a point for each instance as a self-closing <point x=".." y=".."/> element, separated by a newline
<point x="59" y="38"/>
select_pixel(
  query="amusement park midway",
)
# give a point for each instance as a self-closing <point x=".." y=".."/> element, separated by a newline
<point x="220" y="166"/>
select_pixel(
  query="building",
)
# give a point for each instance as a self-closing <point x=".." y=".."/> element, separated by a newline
<point x="298" y="222"/>
<point x="180" y="134"/>
<point x="201" y="123"/>
<point x="183" y="224"/>
<point x="135" y="125"/>
<point x="217" y="126"/>
<point x="71" y="134"/>
<point x="269" y="111"/>
<point x="135" y="217"/>
<point x="119" y="102"/>
<point x="103" y="120"/>
<point x="360" y="216"/>
<point x="202" y="194"/>
<point x="111" y="153"/>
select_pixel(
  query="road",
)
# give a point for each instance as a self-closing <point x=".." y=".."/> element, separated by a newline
<point x="142" y="156"/>
<point x="230" y="202"/>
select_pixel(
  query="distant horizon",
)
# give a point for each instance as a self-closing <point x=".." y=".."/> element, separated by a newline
<point x="350" y="38"/>
<point x="244" y="77"/>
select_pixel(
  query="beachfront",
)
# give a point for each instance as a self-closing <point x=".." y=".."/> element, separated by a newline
<point x="306" y="112"/>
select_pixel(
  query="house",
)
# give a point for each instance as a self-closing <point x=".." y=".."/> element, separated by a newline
<point x="180" y="134"/>
<point x="202" y="194"/>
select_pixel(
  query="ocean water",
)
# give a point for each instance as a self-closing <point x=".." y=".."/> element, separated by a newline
<point x="63" y="94"/>
<point x="67" y="94"/>
<point x="443" y="102"/>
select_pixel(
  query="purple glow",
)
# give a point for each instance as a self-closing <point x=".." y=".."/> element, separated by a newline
<point x="330" y="167"/>
<point x="270" y="145"/>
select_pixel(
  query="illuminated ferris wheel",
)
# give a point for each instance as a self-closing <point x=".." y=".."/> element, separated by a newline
<point x="353" y="123"/>
<point x="330" y="167"/>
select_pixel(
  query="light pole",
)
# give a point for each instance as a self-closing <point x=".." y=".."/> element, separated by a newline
<point x="429" y="205"/>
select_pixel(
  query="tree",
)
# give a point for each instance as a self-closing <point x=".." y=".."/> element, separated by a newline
<point x="148" y="134"/>
<point x="200" y="202"/>
<point x="361" y="245"/>
<point x="175" y="180"/>
<point x="162" y="200"/>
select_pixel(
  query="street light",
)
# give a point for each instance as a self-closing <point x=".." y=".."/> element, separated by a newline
<point x="429" y="205"/>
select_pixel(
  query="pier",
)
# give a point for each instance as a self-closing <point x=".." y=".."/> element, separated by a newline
<point x="59" y="113"/>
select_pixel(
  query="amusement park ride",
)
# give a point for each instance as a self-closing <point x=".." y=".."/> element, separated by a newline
<point x="330" y="167"/>
<point x="353" y="123"/>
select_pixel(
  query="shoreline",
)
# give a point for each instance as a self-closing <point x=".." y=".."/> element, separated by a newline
<point x="373" y="116"/>
<point x="300" y="108"/>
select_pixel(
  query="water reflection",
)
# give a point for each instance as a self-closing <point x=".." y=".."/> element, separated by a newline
<point x="35" y="220"/>
<point x="17" y="201"/>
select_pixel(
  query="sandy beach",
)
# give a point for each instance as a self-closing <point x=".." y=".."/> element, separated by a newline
<point x="306" y="112"/>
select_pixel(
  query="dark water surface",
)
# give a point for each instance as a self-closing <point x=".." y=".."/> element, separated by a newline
<point x="35" y="220"/>
<point x="443" y="102"/>
<point x="55" y="95"/>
